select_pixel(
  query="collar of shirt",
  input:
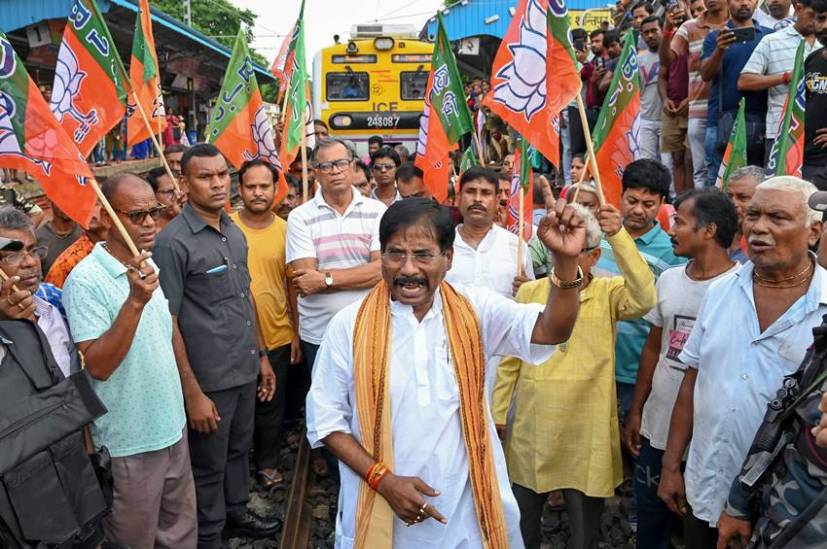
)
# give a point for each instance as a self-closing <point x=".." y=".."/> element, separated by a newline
<point x="485" y="244"/>
<point x="196" y="222"/>
<point x="42" y="308"/>
<point x="649" y="236"/>
<point x="816" y="294"/>
<point x="357" y="198"/>
<point x="395" y="188"/>
<point x="110" y="263"/>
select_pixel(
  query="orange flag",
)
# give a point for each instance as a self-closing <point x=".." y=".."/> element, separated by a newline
<point x="433" y="149"/>
<point x="32" y="140"/>
<point x="146" y="78"/>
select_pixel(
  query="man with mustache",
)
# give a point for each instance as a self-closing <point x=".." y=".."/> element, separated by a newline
<point x="485" y="254"/>
<point x="704" y="226"/>
<point x="21" y="263"/>
<point x="275" y="303"/>
<point x="395" y="392"/>
<point x="202" y="256"/>
<point x="740" y="188"/>
<point x="645" y="188"/>
<point x="779" y="14"/>
<point x="121" y="323"/>
<point x="722" y="59"/>
<point x="753" y="328"/>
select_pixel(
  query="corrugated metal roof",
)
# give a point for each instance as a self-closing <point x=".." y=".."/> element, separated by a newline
<point x="16" y="14"/>
<point x="488" y="17"/>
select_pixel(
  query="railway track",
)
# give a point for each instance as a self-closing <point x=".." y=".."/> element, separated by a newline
<point x="298" y="517"/>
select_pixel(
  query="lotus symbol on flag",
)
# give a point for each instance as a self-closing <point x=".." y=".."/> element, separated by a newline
<point x="68" y="79"/>
<point x="263" y="137"/>
<point x="7" y="59"/>
<point x="524" y="86"/>
<point x="8" y="139"/>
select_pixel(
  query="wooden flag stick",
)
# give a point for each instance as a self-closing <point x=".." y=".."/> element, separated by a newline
<point x="478" y="143"/>
<point x="590" y="149"/>
<point x="305" y="189"/>
<point x="152" y="136"/>
<point x="283" y="112"/>
<point x="114" y="216"/>
<point x="582" y="178"/>
<point x="520" y="227"/>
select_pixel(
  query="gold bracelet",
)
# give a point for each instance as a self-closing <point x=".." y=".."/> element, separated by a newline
<point x="570" y="285"/>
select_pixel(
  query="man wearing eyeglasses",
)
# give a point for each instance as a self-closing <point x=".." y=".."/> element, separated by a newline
<point x="20" y="260"/>
<point x="383" y="164"/>
<point x="166" y="194"/>
<point x="120" y="321"/>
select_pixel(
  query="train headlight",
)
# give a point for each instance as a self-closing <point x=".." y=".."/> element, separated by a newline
<point x="384" y="43"/>
<point x="352" y="49"/>
<point x="342" y="121"/>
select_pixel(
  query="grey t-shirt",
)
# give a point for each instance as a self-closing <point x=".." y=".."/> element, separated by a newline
<point x="55" y="243"/>
<point x="651" y="105"/>
<point x="679" y="298"/>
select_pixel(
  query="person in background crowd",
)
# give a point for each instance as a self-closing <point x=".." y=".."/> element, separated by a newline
<point x="374" y="144"/>
<point x="12" y="197"/>
<point x="503" y="195"/>
<point x="771" y="64"/>
<point x="56" y="235"/>
<point x="121" y="323"/>
<point x="362" y="178"/>
<point x="276" y="308"/>
<point x="332" y="249"/>
<point x="296" y="171"/>
<point x="507" y="167"/>
<point x="753" y="328"/>
<point x="815" y="115"/>
<point x="640" y="12"/>
<point x="165" y="193"/>
<point x="705" y="224"/>
<point x="80" y="248"/>
<point x="722" y="59"/>
<point x="410" y="182"/>
<point x="21" y="263"/>
<point x="117" y="137"/>
<point x="645" y="188"/>
<point x="485" y="254"/>
<point x="403" y="152"/>
<point x="740" y="189"/>
<point x="578" y="164"/>
<point x="320" y="129"/>
<point x="499" y="145"/>
<point x="688" y="41"/>
<point x="779" y="14"/>
<point x="614" y="47"/>
<point x="562" y="419"/>
<point x="591" y="73"/>
<point x="673" y="87"/>
<point x="383" y="165"/>
<point x="202" y="260"/>
<point x="292" y="199"/>
<point x="651" y="105"/>
<point x="173" y="153"/>
<point x="172" y="135"/>
<point x="417" y="322"/>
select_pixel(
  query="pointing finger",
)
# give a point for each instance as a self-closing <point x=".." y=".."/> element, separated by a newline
<point x="548" y="196"/>
<point x="432" y="512"/>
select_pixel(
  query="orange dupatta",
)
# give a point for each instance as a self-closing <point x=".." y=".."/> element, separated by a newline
<point x="371" y="361"/>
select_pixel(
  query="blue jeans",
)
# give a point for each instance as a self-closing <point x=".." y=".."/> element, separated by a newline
<point x="713" y="157"/>
<point x="654" y="526"/>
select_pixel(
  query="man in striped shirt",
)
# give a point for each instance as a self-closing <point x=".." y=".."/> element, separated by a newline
<point x="771" y="65"/>
<point x="332" y="244"/>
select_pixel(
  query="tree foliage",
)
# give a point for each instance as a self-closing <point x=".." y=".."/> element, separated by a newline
<point x="219" y="19"/>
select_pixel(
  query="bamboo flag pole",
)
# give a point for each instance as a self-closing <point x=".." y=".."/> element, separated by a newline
<point x="305" y="189"/>
<point x="479" y="148"/>
<point x="590" y="149"/>
<point x="521" y="226"/>
<point x="152" y="136"/>
<point x="583" y="173"/>
<point x="283" y="112"/>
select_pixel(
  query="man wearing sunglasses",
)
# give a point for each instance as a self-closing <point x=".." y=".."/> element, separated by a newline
<point x="20" y="260"/>
<point x="383" y="164"/>
<point x="120" y="321"/>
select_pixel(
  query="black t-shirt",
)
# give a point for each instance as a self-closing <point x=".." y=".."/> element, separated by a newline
<point x="815" y="116"/>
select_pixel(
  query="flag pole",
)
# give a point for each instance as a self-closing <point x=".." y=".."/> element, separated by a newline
<point x="152" y="136"/>
<point x="582" y="178"/>
<point x="115" y="219"/>
<point x="283" y="112"/>
<point x="590" y="150"/>
<point x="521" y="226"/>
<point x="305" y="189"/>
<point x="479" y="148"/>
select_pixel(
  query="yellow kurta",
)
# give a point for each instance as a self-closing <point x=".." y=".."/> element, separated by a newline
<point x="566" y="432"/>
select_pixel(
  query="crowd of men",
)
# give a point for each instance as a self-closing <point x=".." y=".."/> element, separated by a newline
<point x="457" y="378"/>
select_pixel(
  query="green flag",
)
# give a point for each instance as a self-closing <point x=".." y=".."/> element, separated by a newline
<point x="787" y="153"/>
<point x="735" y="155"/>
<point x="298" y="95"/>
<point x="447" y="94"/>
<point x="469" y="159"/>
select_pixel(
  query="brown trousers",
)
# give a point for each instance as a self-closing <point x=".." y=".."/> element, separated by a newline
<point x="154" y="504"/>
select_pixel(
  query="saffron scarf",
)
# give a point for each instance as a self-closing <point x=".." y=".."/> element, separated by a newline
<point x="371" y="363"/>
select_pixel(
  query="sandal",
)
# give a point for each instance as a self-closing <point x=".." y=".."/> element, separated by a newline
<point x="270" y="480"/>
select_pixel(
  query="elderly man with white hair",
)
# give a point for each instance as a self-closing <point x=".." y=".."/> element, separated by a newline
<point x="753" y="328"/>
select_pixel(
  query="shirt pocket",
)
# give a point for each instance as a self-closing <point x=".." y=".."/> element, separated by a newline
<point x="213" y="287"/>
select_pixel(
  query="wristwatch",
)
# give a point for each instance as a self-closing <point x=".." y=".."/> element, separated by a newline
<point x="328" y="280"/>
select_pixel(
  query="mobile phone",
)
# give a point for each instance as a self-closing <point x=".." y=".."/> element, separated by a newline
<point x="600" y="63"/>
<point x="744" y="34"/>
<point x="580" y="44"/>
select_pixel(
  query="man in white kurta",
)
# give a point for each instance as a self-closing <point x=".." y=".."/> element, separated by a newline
<point x="424" y="399"/>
